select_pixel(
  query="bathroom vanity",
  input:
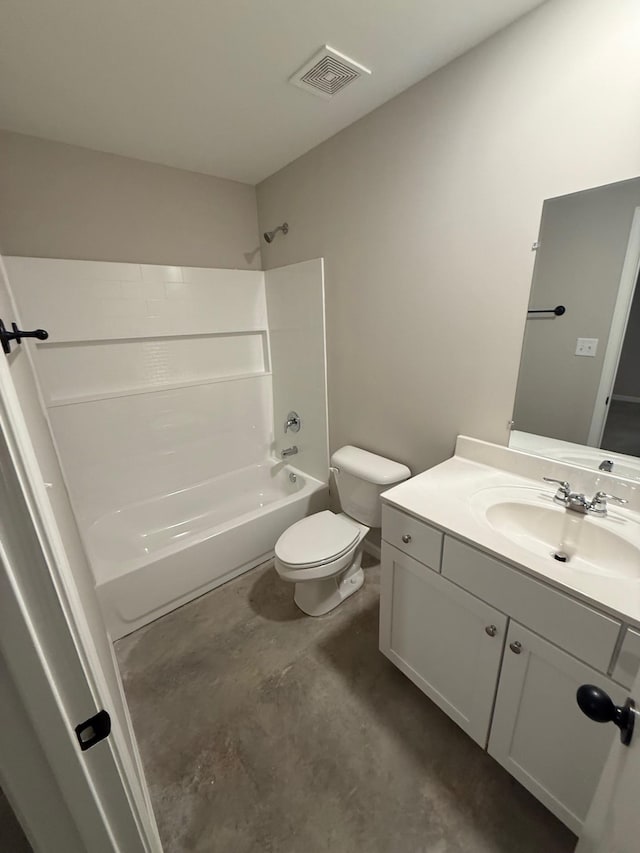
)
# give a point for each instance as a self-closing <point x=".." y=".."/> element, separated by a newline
<point x="499" y="634"/>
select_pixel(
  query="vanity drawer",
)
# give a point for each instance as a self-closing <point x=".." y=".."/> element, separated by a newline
<point x="589" y="635"/>
<point x="415" y="538"/>
<point x="628" y="662"/>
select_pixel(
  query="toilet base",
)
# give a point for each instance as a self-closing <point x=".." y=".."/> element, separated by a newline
<point x="315" y="598"/>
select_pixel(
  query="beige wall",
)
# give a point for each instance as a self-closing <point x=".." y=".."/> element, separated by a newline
<point x="583" y="243"/>
<point x="425" y="211"/>
<point x="61" y="201"/>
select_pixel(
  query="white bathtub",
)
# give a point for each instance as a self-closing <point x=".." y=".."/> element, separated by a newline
<point x="153" y="556"/>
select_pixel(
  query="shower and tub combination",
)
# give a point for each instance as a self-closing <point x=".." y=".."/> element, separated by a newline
<point x="190" y="416"/>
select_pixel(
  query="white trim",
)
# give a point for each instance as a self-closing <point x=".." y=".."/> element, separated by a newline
<point x="26" y="777"/>
<point x="624" y="398"/>
<point x="324" y="356"/>
<point x="617" y="331"/>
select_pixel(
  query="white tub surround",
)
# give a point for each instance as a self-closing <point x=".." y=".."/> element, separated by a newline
<point x="155" y="378"/>
<point x="295" y="307"/>
<point x="158" y="387"/>
<point x="479" y="614"/>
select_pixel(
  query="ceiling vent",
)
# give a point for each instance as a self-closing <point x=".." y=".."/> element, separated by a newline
<point x="327" y="73"/>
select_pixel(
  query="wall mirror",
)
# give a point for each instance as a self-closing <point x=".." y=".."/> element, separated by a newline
<point x="578" y="393"/>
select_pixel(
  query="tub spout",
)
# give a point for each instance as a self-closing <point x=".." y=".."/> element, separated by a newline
<point x="289" y="451"/>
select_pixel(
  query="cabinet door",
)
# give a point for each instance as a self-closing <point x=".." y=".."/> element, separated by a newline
<point x="445" y="640"/>
<point x="538" y="732"/>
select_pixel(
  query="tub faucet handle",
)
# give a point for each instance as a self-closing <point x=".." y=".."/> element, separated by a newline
<point x="293" y="422"/>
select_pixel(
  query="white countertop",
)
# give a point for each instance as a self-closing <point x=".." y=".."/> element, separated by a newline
<point x="442" y="496"/>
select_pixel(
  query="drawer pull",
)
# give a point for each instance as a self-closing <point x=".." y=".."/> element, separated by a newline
<point x="516" y="647"/>
<point x="406" y="538"/>
<point x="491" y="630"/>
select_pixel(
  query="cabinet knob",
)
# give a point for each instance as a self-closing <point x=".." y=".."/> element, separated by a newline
<point x="491" y="630"/>
<point x="516" y="647"/>
<point x="406" y="538"/>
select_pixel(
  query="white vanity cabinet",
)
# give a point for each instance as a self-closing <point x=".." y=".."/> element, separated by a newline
<point x="445" y="640"/>
<point x="503" y="654"/>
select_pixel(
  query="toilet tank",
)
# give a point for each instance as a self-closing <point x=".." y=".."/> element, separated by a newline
<point x="361" y="477"/>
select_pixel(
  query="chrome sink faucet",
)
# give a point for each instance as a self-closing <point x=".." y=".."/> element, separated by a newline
<point x="289" y="451"/>
<point x="577" y="502"/>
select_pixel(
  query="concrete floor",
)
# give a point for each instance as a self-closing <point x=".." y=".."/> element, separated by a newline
<point x="262" y="729"/>
<point x="12" y="838"/>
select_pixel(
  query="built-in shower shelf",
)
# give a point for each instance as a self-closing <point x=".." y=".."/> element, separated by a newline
<point x="131" y="392"/>
<point x="82" y="371"/>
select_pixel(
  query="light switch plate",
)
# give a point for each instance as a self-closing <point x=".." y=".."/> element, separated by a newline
<point x="586" y="346"/>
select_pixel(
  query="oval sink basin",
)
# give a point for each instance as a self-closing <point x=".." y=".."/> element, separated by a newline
<point x="605" y="546"/>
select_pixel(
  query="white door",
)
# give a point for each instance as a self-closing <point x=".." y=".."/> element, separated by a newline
<point x="613" y="821"/>
<point x="52" y="638"/>
<point x="444" y="639"/>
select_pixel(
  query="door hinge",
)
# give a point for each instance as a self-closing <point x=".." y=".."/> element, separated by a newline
<point x="93" y="730"/>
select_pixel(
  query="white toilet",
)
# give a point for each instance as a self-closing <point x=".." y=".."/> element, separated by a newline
<point x="322" y="554"/>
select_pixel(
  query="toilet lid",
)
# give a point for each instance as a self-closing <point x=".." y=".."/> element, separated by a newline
<point x="316" y="539"/>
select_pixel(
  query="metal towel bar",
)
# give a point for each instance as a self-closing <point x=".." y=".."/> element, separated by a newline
<point x="558" y="310"/>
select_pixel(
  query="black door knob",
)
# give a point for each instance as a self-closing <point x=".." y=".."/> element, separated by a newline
<point x="598" y="706"/>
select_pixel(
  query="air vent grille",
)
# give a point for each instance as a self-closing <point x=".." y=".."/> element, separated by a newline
<point x="327" y="73"/>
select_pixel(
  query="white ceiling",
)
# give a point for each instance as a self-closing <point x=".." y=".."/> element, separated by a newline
<point x="202" y="84"/>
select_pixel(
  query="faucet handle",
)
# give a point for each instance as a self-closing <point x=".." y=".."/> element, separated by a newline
<point x="599" y="502"/>
<point x="608" y="497"/>
<point x="564" y="489"/>
<point x="293" y="422"/>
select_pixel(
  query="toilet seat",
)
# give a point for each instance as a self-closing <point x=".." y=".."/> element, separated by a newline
<point x="321" y="555"/>
<point x="317" y="540"/>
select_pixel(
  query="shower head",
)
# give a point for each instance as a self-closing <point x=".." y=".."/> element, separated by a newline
<point x="269" y="235"/>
